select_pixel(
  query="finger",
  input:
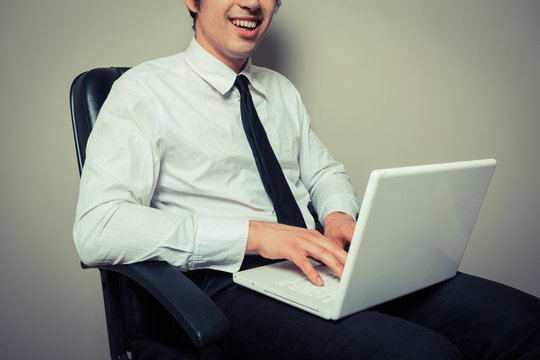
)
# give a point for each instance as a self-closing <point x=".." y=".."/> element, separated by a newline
<point x="326" y="256"/>
<point x="332" y="247"/>
<point x="343" y="235"/>
<point x="336" y="250"/>
<point x="331" y="261"/>
<point x="305" y="265"/>
<point x="348" y="232"/>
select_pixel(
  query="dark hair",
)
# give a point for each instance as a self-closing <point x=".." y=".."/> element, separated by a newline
<point x="194" y="15"/>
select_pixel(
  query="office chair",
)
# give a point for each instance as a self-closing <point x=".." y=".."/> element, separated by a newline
<point x="143" y="300"/>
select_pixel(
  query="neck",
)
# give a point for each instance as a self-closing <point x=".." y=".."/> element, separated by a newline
<point x="238" y="66"/>
<point x="235" y="64"/>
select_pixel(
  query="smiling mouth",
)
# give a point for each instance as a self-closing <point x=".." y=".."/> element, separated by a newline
<point x="245" y="24"/>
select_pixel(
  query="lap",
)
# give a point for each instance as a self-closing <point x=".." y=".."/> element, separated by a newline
<point x="483" y="318"/>
<point x="465" y="317"/>
<point x="274" y="330"/>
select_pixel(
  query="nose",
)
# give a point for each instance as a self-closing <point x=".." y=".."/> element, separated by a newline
<point x="252" y="5"/>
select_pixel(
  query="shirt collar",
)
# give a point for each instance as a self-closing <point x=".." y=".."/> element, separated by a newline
<point x="216" y="73"/>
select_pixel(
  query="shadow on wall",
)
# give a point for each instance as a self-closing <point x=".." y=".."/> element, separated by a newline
<point x="272" y="52"/>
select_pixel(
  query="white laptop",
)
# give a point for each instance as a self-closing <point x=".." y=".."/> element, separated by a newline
<point x="411" y="232"/>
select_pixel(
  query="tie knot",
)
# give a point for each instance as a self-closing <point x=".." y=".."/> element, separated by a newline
<point x="242" y="84"/>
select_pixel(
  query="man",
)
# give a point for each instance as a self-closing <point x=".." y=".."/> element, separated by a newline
<point x="170" y="175"/>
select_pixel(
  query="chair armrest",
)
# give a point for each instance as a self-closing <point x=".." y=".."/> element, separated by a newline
<point x="202" y="320"/>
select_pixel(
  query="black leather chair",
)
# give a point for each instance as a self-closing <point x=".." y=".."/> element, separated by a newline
<point x="144" y="300"/>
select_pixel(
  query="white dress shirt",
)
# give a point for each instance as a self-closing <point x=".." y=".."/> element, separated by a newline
<point x="169" y="174"/>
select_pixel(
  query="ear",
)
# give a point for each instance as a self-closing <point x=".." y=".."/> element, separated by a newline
<point x="192" y="5"/>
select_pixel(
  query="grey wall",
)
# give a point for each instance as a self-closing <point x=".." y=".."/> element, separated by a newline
<point x="386" y="83"/>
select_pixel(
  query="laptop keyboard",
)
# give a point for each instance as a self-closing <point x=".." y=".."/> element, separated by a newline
<point x="304" y="286"/>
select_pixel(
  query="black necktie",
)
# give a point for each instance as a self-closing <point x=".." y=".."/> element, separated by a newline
<point x="274" y="182"/>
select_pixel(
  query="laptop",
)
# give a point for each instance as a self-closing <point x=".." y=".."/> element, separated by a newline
<point x="411" y="232"/>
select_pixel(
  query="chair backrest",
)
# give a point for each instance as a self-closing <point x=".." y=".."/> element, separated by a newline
<point x="88" y="92"/>
<point x="131" y="312"/>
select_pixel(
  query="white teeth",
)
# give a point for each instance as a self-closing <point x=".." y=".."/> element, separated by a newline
<point x="245" y="23"/>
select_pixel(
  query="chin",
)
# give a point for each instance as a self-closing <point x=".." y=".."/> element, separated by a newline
<point x="244" y="52"/>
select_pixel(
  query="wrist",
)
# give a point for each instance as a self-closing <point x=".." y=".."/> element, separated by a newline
<point x="337" y="216"/>
<point x="252" y="240"/>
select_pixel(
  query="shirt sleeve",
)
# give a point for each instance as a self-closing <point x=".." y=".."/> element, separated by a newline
<point x="325" y="178"/>
<point x="115" y="223"/>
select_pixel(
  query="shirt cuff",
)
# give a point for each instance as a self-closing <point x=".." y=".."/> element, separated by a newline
<point x="220" y="244"/>
<point x="340" y="202"/>
<point x="336" y="194"/>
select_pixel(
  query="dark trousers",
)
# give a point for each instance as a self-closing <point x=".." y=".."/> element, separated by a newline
<point x="466" y="317"/>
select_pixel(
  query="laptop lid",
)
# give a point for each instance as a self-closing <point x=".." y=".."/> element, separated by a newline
<point x="412" y="231"/>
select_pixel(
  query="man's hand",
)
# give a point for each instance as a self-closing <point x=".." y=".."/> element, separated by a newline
<point x="279" y="241"/>
<point x="339" y="227"/>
